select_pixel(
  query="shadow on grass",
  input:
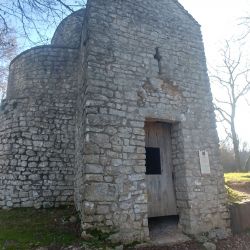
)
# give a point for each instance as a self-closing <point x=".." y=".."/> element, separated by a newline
<point x="29" y="228"/>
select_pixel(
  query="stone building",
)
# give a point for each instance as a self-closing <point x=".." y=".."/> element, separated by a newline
<point x="122" y="84"/>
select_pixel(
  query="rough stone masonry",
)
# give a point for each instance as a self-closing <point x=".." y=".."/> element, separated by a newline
<point x="72" y="125"/>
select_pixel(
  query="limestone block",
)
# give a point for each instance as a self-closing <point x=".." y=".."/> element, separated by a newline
<point x="100" y="192"/>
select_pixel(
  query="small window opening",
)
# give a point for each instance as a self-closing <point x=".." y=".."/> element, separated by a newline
<point x="153" y="161"/>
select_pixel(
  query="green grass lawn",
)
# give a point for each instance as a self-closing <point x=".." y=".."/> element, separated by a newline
<point x="25" y="229"/>
<point x="29" y="228"/>
<point x="237" y="177"/>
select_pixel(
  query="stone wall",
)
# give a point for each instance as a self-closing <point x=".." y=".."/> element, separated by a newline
<point x="37" y="128"/>
<point x="81" y="123"/>
<point x="81" y="113"/>
<point x="68" y="32"/>
<point x="145" y="60"/>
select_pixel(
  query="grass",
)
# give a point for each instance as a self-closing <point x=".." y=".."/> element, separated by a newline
<point x="100" y="239"/>
<point x="237" y="177"/>
<point x="235" y="196"/>
<point x="30" y="228"/>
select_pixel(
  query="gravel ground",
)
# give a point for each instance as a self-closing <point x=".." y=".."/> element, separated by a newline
<point x="183" y="246"/>
<point x="236" y="242"/>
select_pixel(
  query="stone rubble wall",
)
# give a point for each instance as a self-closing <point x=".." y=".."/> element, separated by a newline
<point x="37" y="129"/>
<point x="126" y="86"/>
<point x="81" y="125"/>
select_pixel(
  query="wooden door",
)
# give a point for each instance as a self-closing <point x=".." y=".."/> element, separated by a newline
<point x="160" y="186"/>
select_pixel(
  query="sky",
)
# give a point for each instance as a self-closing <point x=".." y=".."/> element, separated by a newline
<point x="219" y="20"/>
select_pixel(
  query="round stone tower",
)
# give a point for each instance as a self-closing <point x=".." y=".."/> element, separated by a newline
<point x="37" y="129"/>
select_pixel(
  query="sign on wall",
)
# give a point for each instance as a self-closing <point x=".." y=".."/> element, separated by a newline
<point x="204" y="162"/>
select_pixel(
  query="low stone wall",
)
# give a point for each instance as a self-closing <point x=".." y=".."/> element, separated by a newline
<point x="37" y="129"/>
<point x="240" y="217"/>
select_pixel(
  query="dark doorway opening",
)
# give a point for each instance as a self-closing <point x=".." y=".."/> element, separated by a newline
<point x="165" y="230"/>
<point x="162" y="225"/>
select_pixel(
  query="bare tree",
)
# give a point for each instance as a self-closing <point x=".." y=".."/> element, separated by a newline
<point x="233" y="79"/>
<point x="227" y="157"/>
<point x="8" y="49"/>
<point x="245" y="23"/>
<point x="245" y="156"/>
<point x="32" y="18"/>
<point x="247" y="164"/>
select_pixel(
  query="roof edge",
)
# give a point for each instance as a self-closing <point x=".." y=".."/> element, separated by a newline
<point x="186" y="12"/>
<point x="47" y="46"/>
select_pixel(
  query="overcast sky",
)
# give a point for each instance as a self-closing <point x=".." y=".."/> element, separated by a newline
<point x="219" y="20"/>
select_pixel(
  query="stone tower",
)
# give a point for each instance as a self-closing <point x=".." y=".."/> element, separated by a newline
<point x="124" y="83"/>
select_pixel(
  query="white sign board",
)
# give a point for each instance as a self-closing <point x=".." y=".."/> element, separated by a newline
<point x="204" y="162"/>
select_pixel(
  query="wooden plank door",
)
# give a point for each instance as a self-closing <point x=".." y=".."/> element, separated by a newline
<point x="160" y="186"/>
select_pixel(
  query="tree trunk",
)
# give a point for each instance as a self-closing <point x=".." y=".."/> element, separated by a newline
<point x="247" y="164"/>
<point x="236" y="148"/>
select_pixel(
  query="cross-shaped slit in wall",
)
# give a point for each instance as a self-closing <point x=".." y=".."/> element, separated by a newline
<point x="158" y="57"/>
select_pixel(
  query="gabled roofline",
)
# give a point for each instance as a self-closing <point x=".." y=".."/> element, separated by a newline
<point x="186" y="12"/>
